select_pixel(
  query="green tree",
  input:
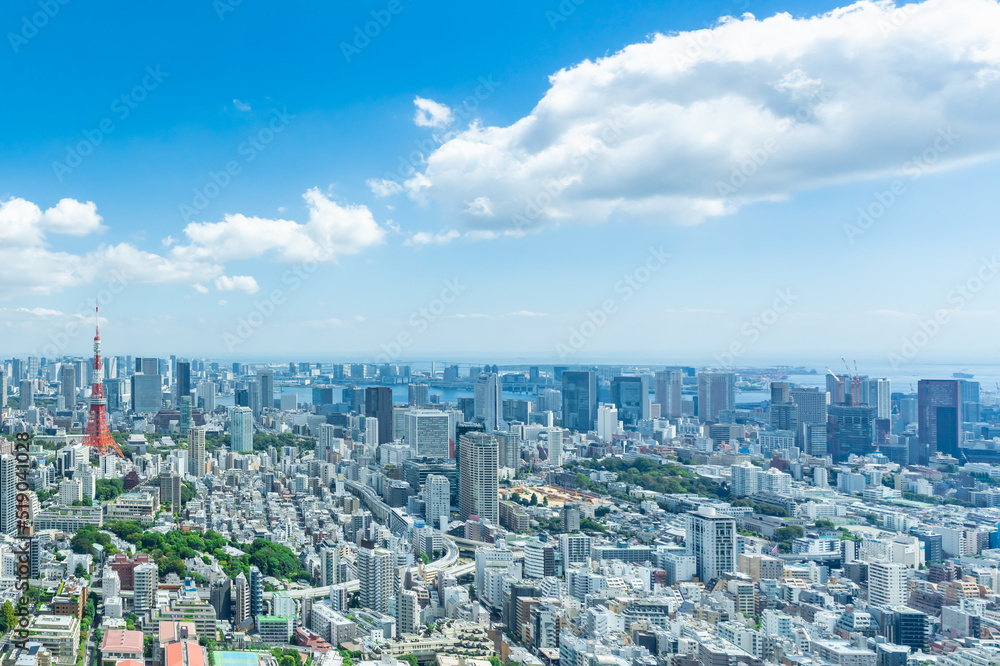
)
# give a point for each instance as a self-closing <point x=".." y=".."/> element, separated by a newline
<point x="411" y="659"/>
<point x="81" y="570"/>
<point x="534" y="500"/>
<point x="8" y="616"/>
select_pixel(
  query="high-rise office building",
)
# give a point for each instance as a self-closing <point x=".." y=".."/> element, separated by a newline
<point x="3" y="389"/>
<point x="579" y="400"/>
<point x="711" y="539"/>
<point x="376" y="576"/>
<point x="876" y="393"/>
<point x="206" y="396"/>
<point x="667" y="387"/>
<point x="418" y="394"/>
<point x="437" y="499"/>
<point x="428" y="432"/>
<point x="241" y="430"/>
<point x="850" y="429"/>
<point x="265" y="381"/>
<point x="196" y="451"/>
<point x="488" y="401"/>
<point x="812" y="405"/>
<point x="147" y="366"/>
<point x="183" y="380"/>
<point x="939" y="415"/>
<point x="25" y="395"/>
<point x="147" y="393"/>
<point x="477" y="481"/>
<point x="378" y="404"/>
<point x="67" y="385"/>
<point x="716" y="394"/>
<point x="631" y="396"/>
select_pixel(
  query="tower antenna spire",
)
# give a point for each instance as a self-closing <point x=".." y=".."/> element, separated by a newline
<point x="98" y="435"/>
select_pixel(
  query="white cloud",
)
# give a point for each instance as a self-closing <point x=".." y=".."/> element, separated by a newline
<point x="241" y="106"/>
<point x="332" y="230"/>
<point x="29" y="267"/>
<point x="242" y="283"/>
<point x="200" y="288"/>
<point x="427" y="238"/>
<point x="382" y="187"/>
<point x="24" y="224"/>
<point x="693" y="125"/>
<point x="432" y="114"/>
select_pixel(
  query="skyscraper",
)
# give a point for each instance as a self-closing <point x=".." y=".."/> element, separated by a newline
<point x="488" y="401"/>
<point x="256" y="582"/>
<point x="3" y="389"/>
<point x="25" y="395"/>
<point x="241" y="600"/>
<point x="886" y="584"/>
<point x="427" y="432"/>
<point x="418" y="394"/>
<point x="631" y="396"/>
<point x="437" y="499"/>
<point x="711" y="538"/>
<point x="579" y="400"/>
<point x="378" y="404"/>
<point x="183" y="380"/>
<point x="850" y="429"/>
<point x="196" y="450"/>
<point x="67" y="385"/>
<point x="265" y="380"/>
<point x="147" y="396"/>
<point x="939" y="415"/>
<point x="376" y="576"/>
<point x="477" y="480"/>
<point x="8" y="495"/>
<point x="876" y="392"/>
<point x="667" y="392"/>
<point x="716" y="394"/>
<point x="241" y="430"/>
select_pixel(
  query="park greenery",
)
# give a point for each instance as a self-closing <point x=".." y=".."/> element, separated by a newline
<point x="649" y="475"/>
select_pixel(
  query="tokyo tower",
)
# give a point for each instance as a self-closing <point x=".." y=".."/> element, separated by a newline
<point x="98" y="436"/>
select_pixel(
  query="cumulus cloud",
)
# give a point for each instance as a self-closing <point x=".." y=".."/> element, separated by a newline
<point x="383" y="187"/>
<point x="432" y="114"/>
<point x="331" y="231"/>
<point x="241" y="283"/>
<point x="29" y="266"/>
<point x="692" y="125"/>
<point x="426" y="238"/>
<point x="241" y="106"/>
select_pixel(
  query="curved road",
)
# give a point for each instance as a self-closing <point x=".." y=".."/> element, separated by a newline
<point x="449" y="563"/>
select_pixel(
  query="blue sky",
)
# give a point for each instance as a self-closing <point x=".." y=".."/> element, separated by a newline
<point x="635" y="145"/>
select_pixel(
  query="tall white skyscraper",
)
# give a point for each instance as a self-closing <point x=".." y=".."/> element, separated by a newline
<point x="206" y="393"/>
<point x="196" y="451"/>
<point x="437" y="499"/>
<point x="241" y="430"/>
<point x="427" y="433"/>
<point x="375" y="576"/>
<point x="145" y="578"/>
<point x="488" y="401"/>
<point x="608" y="424"/>
<point x="325" y="442"/>
<point x="8" y="494"/>
<point x="711" y="538"/>
<point x="877" y="393"/>
<point x="407" y="612"/>
<point x="478" y="483"/>
<point x="886" y="584"/>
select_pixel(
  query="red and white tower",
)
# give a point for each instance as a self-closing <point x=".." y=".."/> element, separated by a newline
<point x="97" y="435"/>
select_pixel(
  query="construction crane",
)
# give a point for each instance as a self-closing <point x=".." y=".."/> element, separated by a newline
<point x="855" y="382"/>
<point x="840" y="382"/>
